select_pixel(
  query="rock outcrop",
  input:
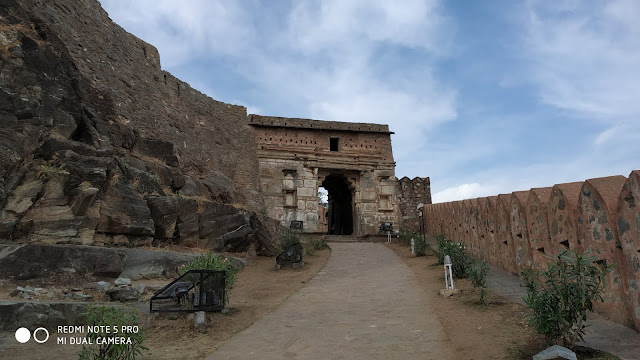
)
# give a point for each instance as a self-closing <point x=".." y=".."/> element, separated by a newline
<point x="98" y="145"/>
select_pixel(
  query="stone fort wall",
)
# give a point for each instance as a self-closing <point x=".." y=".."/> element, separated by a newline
<point x="520" y="230"/>
<point x="413" y="194"/>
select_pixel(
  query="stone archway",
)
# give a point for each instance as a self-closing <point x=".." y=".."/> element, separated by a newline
<point x="341" y="206"/>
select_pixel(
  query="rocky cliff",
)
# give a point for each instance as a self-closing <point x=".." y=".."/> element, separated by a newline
<point x="99" y="145"/>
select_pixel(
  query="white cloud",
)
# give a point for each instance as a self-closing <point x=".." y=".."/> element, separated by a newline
<point x="585" y="57"/>
<point x="182" y="31"/>
<point x="464" y="191"/>
<point x="316" y="59"/>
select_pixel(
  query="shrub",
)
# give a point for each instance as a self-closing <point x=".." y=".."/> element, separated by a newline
<point x="211" y="261"/>
<point x="420" y="246"/>
<point x="313" y="245"/>
<point x="287" y="239"/>
<point x="460" y="261"/>
<point x="478" y="276"/>
<point x="309" y="250"/>
<point x="561" y="296"/>
<point x="52" y="171"/>
<point x="405" y="236"/>
<point x="107" y="317"/>
<point x="320" y="244"/>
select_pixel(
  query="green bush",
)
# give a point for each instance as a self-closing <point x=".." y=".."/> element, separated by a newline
<point x="420" y="246"/>
<point x="320" y="244"/>
<point x="478" y="276"/>
<point x="287" y="239"/>
<point x="460" y="261"/>
<point x="313" y="245"/>
<point x="309" y="250"/>
<point x="112" y="318"/>
<point x="405" y="237"/>
<point x="211" y="261"/>
<point x="561" y="296"/>
<point x="52" y="171"/>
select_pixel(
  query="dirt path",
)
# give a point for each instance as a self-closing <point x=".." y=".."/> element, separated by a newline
<point x="365" y="304"/>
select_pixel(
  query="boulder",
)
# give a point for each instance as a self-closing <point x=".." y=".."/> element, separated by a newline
<point x="164" y="213"/>
<point x="38" y="260"/>
<point x="123" y="293"/>
<point x="122" y="281"/>
<point x="123" y="211"/>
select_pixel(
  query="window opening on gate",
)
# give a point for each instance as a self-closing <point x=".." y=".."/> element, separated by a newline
<point x="333" y="144"/>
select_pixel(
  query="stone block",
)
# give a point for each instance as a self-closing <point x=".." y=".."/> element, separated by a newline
<point x="123" y="293"/>
<point x="306" y="191"/>
<point x="555" y="352"/>
<point x="448" y="292"/>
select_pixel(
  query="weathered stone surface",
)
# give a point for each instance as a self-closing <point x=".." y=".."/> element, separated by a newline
<point x="158" y="149"/>
<point x="123" y="211"/>
<point x="47" y="314"/>
<point x="164" y="213"/>
<point x="123" y="293"/>
<point x="38" y="260"/>
<point x="122" y="281"/>
<point x="555" y="352"/>
<point x="8" y="318"/>
<point x="83" y="200"/>
<point x="148" y="264"/>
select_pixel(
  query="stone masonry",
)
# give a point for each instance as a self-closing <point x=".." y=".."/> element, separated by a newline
<point x="413" y="194"/>
<point x="353" y="161"/>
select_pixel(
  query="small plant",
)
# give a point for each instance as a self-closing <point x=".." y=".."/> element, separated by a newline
<point x="111" y="339"/>
<point x="405" y="236"/>
<point x="478" y="276"/>
<point x="420" y="246"/>
<point x="460" y="261"/>
<point x="309" y="250"/>
<point x="211" y="261"/>
<point x="287" y="239"/>
<point x="263" y="212"/>
<point x="561" y="296"/>
<point x="51" y="171"/>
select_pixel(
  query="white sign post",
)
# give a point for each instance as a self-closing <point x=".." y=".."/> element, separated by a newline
<point x="448" y="274"/>
<point x="413" y="246"/>
<point x="388" y="236"/>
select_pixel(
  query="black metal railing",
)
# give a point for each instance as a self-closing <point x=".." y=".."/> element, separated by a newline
<point x="196" y="290"/>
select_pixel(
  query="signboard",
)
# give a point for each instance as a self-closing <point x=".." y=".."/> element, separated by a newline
<point x="386" y="226"/>
<point x="296" y="225"/>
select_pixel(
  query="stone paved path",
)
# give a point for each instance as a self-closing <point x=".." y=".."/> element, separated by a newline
<point x="364" y="304"/>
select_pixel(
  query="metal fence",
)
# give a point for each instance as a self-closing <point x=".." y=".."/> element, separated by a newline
<point x="196" y="290"/>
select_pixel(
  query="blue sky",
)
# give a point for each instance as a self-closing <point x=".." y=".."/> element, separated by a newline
<point x="484" y="97"/>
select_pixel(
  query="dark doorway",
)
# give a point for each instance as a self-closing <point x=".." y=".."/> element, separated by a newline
<point x="340" y="217"/>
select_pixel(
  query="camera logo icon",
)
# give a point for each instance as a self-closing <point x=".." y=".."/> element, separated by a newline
<point x="40" y="335"/>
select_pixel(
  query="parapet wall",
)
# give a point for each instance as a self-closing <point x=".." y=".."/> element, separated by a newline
<point x="526" y="228"/>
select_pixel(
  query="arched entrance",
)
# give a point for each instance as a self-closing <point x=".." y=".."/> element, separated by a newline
<point x="340" y="211"/>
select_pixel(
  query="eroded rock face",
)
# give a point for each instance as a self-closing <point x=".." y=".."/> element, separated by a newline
<point x="81" y="163"/>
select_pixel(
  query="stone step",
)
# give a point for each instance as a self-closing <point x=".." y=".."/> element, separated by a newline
<point x="343" y="238"/>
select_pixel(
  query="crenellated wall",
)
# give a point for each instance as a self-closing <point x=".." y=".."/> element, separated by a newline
<point x="527" y="228"/>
